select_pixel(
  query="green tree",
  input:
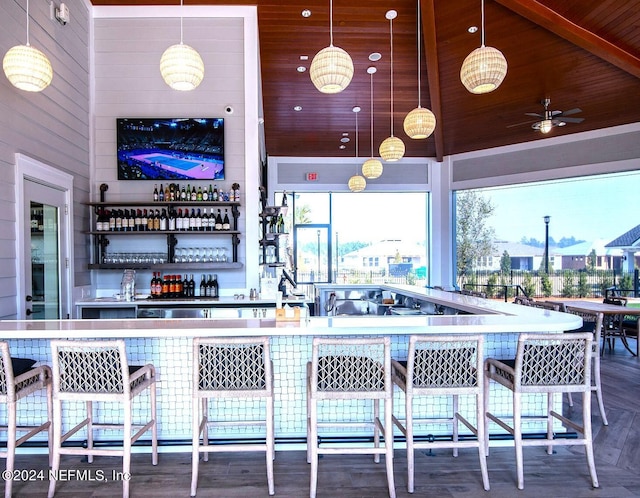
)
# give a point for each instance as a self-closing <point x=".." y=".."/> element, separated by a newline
<point x="591" y="261"/>
<point x="584" y="289"/>
<point x="568" y="288"/>
<point x="474" y="237"/>
<point x="605" y="281"/>
<point x="528" y="285"/>
<point x="626" y="282"/>
<point x="492" y="282"/>
<point x="505" y="262"/>
<point x="302" y="215"/>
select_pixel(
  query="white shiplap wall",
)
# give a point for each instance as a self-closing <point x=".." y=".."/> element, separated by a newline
<point x="128" y="44"/>
<point x="51" y="126"/>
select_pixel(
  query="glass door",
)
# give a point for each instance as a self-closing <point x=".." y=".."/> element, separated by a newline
<point x="44" y="223"/>
<point x="312" y="253"/>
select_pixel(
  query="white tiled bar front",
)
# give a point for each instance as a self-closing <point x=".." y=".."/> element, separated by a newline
<point x="167" y="343"/>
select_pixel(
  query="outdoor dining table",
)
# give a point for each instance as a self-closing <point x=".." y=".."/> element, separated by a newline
<point x="610" y="310"/>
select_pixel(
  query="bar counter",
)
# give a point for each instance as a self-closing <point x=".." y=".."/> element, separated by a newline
<point x="167" y="344"/>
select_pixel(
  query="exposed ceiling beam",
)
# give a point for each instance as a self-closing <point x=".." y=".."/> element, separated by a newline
<point x="535" y="12"/>
<point x="433" y="73"/>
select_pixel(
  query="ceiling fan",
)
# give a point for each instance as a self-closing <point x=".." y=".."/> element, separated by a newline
<point x="550" y="119"/>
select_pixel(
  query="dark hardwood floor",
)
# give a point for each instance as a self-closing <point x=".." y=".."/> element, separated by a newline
<point x="563" y="474"/>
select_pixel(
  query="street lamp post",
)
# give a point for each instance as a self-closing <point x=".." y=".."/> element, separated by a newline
<point x="546" y="243"/>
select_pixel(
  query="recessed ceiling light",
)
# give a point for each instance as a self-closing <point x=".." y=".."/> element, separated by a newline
<point x="345" y="134"/>
<point x="375" y="56"/>
<point x="371" y="70"/>
<point x="297" y="108"/>
<point x="345" y="140"/>
<point x="306" y="13"/>
<point x="472" y="29"/>
<point x="343" y="146"/>
<point x="301" y="69"/>
<point x="304" y="57"/>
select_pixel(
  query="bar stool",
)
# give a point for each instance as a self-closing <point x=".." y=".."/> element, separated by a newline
<point x="442" y="366"/>
<point x="238" y="367"/>
<point x="18" y="379"/>
<point x="346" y="370"/>
<point x="594" y="323"/>
<point x="546" y="363"/>
<point x="97" y="371"/>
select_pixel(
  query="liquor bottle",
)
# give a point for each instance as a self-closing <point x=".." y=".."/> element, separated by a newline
<point x="152" y="285"/>
<point x="199" y="194"/>
<point x="112" y="220"/>
<point x="150" y="220"/>
<point x="163" y="225"/>
<point x="188" y="198"/>
<point x="205" y="194"/>
<point x="156" y="220"/>
<point x="192" y="287"/>
<point x="218" y="225"/>
<point x="225" y="222"/>
<point x="119" y="216"/>
<point x="203" y="287"/>
<point x="165" y="287"/>
<point x="179" y="286"/>
<point x="284" y="198"/>
<point x="194" y="194"/>
<point x="214" y="287"/>
<point x="192" y="220"/>
<point x="205" y="220"/>
<point x="132" y="220"/>
<point x="155" y="192"/>
<point x="172" y="286"/>
<point x="214" y="197"/>
<point x="185" y="286"/>
<point x="198" y="224"/>
<point x="210" y="193"/>
<point x="179" y="219"/>
<point x="172" y="220"/>
<point x="161" y="194"/>
<point x="208" y="289"/>
<point x="183" y="194"/>
<point x="99" y="222"/>
<point x="167" y="193"/>
<point x="280" y="224"/>
<point x="137" y="222"/>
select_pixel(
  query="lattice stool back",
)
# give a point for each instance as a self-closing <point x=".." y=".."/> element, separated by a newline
<point x="238" y="367"/>
<point x="18" y="380"/>
<point x="549" y="364"/>
<point x="442" y="366"/>
<point x="97" y="371"/>
<point x="346" y="370"/>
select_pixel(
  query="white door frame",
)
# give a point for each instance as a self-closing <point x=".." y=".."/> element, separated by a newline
<point x="31" y="169"/>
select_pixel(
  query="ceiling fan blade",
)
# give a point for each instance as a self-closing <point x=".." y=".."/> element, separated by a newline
<point x="556" y="113"/>
<point x="570" y="120"/>
<point x="534" y="114"/>
<point x="520" y="124"/>
<point x="571" y="111"/>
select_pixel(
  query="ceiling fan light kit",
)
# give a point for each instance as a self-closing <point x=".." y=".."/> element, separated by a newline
<point x="484" y="69"/>
<point x="551" y="119"/>
<point x="26" y="67"/>
<point x="332" y="68"/>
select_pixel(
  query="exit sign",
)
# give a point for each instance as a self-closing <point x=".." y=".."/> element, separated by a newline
<point x="312" y="177"/>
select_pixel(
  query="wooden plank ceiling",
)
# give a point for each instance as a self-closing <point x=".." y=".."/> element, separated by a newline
<point x="582" y="54"/>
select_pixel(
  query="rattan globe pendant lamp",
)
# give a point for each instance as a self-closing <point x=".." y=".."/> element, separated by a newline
<point x="332" y="68"/>
<point x="372" y="168"/>
<point x="181" y="65"/>
<point x="392" y="148"/>
<point x="26" y="67"/>
<point x="420" y="122"/>
<point x="357" y="183"/>
<point x="485" y="68"/>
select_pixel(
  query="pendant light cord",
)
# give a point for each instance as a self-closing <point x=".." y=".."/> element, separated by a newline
<point x="27" y="23"/>
<point x="331" y="23"/>
<point x="391" y="37"/>
<point x="181" y="8"/>
<point x="371" y="79"/>
<point x="418" y="29"/>
<point x="482" y="31"/>
<point x="356" y="113"/>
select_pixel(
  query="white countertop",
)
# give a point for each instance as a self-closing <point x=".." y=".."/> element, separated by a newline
<point x="492" y="317"/>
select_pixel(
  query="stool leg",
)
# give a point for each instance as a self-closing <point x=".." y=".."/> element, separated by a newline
<point x="598" y="388"/>
<point x="586" y="417"/>
<point x="270" y="445"/>
<point x="57" y="442"/>
<point x="485" y="410"/>
<point x="50" y="418"/>
<point x="126" y="453"/>
<point x="308" y="415"/>
<point x="89" y="406"/>
<point x="205" y="427"/>
<point x="376" y="431"/>
<point x="388" y="444"/>
<point x="482" y="439"/>
<point x="313" y="442"/>
<point x="11" y="446"/>
<point x="154" y="428"/>
<point x="455" y="424"/>
<point x="517" y="437"/>
<point x="195" y="443"/>
<point x="410" y="448"/>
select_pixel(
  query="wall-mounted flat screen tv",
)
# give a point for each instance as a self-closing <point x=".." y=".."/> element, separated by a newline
<point x="170" y="149"/>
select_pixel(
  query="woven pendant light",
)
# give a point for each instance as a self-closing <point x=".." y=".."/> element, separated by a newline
<point x="392" y="148"/>
<point x="372" y="168"/>
<point x="420" y="122"/>
<point x="485" y="68"/>
<point x="181" y="66"/>
<point x="26" y="67"/>
<point x="357" y="183"/>
<point x="332" y="68"/>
